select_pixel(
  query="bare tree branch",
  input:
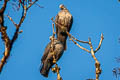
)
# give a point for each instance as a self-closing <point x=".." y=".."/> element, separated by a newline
<point x="97" y="64"/>
<point x="6" y="40"/>
<point x="56" y="69"/>
<point x="76" y="38"/>
<point x="80" y="46"/>
<point x="11" y="20"/>
<point x="4" y="36"/>
<point x="31" y="4"/>
<point x="2" y="10"/>
<point x="9" y="43"/>
<point x="99" y="43"/>
<point x="70" y="36"/>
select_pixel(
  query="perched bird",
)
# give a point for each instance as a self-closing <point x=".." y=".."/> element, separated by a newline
<point x="47" y="58"/>
<point x="63" y="22"/>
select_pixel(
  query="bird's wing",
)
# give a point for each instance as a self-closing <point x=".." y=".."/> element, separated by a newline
<point x="61" y="17"/>
<point x="70" y="22"/>
<point x="60" y="20"/>
<point x="47" y="49"/>
<point x="59" y="49"/>
<point x="56" y="20"/>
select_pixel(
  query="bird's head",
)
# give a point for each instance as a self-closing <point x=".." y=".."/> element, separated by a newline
<point x="62" y="7"/>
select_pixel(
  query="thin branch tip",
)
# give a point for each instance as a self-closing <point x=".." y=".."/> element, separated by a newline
<point x="102" y="36"/>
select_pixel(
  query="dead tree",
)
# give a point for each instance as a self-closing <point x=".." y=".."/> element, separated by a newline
<point x="8" y="43"/>
<point x="91" y="51"/>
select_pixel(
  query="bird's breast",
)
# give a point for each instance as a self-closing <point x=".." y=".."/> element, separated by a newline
<point x="64" y="18"/>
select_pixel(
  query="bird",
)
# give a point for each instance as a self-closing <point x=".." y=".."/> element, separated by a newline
<point x="47" y="58"/>
<point x="63" y="23"/>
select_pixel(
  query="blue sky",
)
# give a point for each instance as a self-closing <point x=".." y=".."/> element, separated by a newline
<point x="91" y="18"/>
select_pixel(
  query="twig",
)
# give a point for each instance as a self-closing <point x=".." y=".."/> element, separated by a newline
<point x="70" y="36"/>
<point x="12" y="20"/>
<point x="102" y="37"/>
<point x="79" y="45"/>
<point x="97" y="64"/>
<point x="25" y="8"/>
<point x="16" y="6"/>
<point x="52" y="44"/>
<point x="5" y="37"/>
<point x="31" y="4"/>
<point x="56" y="68"/>
<point x="2" y="10"/>
<point x="39" y="5"/>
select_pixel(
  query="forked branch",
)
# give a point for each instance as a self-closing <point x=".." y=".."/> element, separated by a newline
<point x="4" y="35"/>
<point x="92" y="51"/>
<point x="56" y="69"/>
<point x="9" y="42"/>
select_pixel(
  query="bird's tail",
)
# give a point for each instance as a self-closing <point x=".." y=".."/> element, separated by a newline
<point x="45" y="68"/>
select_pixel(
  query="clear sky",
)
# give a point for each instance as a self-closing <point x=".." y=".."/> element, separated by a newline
<point x="91" y="18"/>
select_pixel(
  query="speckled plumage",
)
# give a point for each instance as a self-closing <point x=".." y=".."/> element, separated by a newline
<point x="65" y="20"/>
<point x="47" y="58"/>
